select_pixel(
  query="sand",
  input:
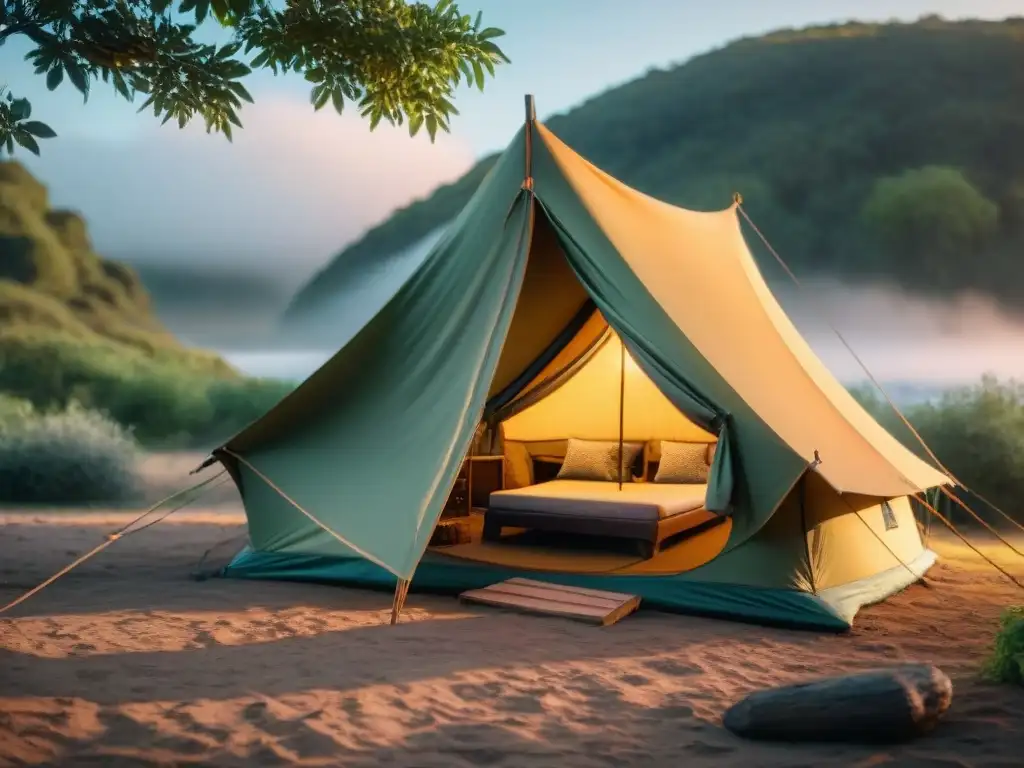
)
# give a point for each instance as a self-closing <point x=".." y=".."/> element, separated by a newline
<point x="128" y="661"/>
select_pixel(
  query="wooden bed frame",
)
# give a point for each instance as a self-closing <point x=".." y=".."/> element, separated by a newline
<point x="648" y="535"/>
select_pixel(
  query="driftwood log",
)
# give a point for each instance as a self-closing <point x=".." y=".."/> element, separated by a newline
<point x="883" y="706"/>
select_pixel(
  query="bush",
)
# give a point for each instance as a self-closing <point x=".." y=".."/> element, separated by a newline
<point x="1006" y="664"/>
<point x="977" y="432"/>
<point x="74" y="456"/>
<point x="166" y="398"/>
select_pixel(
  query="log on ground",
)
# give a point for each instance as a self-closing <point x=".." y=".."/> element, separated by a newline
<point x="882" y="706"/>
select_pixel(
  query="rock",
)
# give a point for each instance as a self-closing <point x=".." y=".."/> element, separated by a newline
<point x="881" y="706"/>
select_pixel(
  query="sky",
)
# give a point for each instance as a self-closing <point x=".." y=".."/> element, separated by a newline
<point x="296" y="186"/>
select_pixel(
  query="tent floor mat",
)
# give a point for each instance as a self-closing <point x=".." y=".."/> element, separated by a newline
<point x="528" y="553"/>
<point x="593" y="606"/>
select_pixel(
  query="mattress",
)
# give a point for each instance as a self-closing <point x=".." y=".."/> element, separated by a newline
<point x="588" y="498"/>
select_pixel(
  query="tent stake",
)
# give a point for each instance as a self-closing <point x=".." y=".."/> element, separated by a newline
<point x="622" y="403"/>
<point x="401" y="591"/>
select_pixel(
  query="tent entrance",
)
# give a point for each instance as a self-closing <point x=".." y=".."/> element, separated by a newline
<point x="565" y="374"/>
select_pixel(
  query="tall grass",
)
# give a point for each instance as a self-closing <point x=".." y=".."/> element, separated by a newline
<point x="72" y="456"/>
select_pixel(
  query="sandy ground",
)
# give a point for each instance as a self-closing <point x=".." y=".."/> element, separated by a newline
<point x="127" y="661"/>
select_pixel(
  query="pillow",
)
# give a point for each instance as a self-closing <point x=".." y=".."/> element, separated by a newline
<point x="518" y="465"/>
<point x="597" y="460"/>
<point x="683" y="463"/>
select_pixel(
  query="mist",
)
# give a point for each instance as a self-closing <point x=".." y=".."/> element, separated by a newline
<point x="917" y="345"/>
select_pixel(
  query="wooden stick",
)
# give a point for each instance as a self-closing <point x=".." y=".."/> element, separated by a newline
<point x="401" y="591"/>
<point x="622" y="403"/>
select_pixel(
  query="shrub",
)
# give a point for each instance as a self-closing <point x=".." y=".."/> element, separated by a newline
<point x="74" y="456"/>
<point x="167" y="399"/>
<point x="1006" y="664"/>
<point x="977" y="432"/>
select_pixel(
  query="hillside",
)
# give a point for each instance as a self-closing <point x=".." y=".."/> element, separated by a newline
<point x="59" y="301"/>
<point x="871" y="151"/>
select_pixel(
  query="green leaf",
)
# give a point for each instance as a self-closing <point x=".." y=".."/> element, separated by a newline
<point x="338" y="99"/>
<point x="229" y="50"/>
<point x="121" y="86"/>
<point x="239" y="90"/>
<point x="25" y="139"/>
<point x="375" y="118"/>
<point x="202" y="9"/>
<point x="490" y="33"/>
<point x="320" y="95"/>
<point x="21" y="109"/>
<point x="478" y="74"/>
<point x="54" y="78"/>
<point x="415" y="122"/>
<point x="159" y="7"/>
<point x="432" y="127"/>
<point x="78" y="78"/>
<point x="491" y="49"/>
<point x="260" y="60"/>
<point x="38" y="129"/>
<point x="236" y="69"/>
<point x="479" y="19"/>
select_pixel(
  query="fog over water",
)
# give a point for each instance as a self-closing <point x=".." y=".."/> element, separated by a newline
<point x="916" y="344"/>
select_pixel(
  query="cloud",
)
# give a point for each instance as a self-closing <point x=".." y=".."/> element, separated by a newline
<point x="293" y="187"/>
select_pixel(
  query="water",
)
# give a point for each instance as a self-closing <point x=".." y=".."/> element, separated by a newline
<point x="917" y="347"/>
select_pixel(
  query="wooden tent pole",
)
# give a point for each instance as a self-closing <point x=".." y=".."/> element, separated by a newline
<point x="622" y="403"/>
<point x="401" y="591"/>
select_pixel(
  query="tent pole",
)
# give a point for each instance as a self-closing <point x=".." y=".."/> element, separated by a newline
<point x="401" y="591"/>
<point x="622" y="403"/>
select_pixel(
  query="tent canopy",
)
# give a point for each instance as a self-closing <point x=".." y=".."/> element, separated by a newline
<point x="548" y="251"/>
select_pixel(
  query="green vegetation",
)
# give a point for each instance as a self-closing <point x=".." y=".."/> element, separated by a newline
<point x="1006" y="665"/>
<point x="77" y="329"/>
<point x="865" y="151"/>
<point x="977" y="432"/>
<point x="398" y="61"/>
<point x="74" y="456"/>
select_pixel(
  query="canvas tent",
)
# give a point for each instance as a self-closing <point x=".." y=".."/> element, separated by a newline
<point x="344" y="480"/>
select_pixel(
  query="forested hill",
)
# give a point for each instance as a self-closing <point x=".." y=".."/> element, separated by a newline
<point x="891" y="150"/>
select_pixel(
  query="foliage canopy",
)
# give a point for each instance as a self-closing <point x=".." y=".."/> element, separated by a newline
<point x="397" y="61"/>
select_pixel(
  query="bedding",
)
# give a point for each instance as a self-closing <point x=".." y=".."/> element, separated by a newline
<point x="586" y="498"/>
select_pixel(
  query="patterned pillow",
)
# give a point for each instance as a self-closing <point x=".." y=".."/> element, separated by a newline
<point x="683" y="463"/>
<point x="597" y="459"/>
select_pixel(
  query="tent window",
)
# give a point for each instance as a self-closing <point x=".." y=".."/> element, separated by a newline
<point x="889" y="516"/>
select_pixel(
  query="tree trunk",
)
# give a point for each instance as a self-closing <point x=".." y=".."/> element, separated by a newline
<point x="883" y="706"/>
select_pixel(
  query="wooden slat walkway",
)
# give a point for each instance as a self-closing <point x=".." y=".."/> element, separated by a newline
<point x="590" y="605"/>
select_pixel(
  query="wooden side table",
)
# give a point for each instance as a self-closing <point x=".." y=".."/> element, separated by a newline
<point x="485" y="475"/>
<point x="478" y="478"/>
